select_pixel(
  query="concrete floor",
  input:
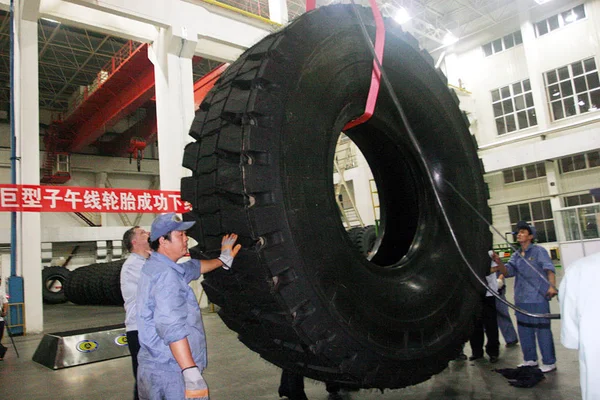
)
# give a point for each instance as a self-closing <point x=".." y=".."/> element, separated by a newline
<point x="234" y="372"/>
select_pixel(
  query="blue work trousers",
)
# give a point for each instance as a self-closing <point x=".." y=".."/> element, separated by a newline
<point x="531" y="328"/>
<point x="504" y="322"/>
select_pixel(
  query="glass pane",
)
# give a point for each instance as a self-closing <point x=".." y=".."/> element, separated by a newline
<point x="542" y="28"/>
<point x="495" y="95"/>
<point x="518" y="38"/>
<point x="526" y="85"/>
<point x="566" y="89"/>
<point x="541" y="232"/>
<point x="553" y="22"/>
<point x="577" y="68"/>
<point x="580" y="85"/>
<point x="579" y="161"/>
<point x="586" y="199"/>
<point x="563" y="73"/>
<point x="569" y="103"/>
<point x="519" y="175"/>
<point x="522" y="120"/>
<point x="487" y="49"/>
<point x="497" y="45"/>
<point x="505" y="91"/>
<point x="557" y="110"/>
<point x="509" y="41"/>
<point x="541" y="169"/>
<point x="507" y="105"/>
<point x="595" y="100"/>
<point x="516" y="88"/>
<point x="532" y="117"/>
<point x="592" y="80"/>
<point x="511" y="125"/>
<point x="524" y="213"/>
<point x="508" y="176"/>
<point x="550" y="231"/>
<point x="571" y="226"/>
<point x="513" y="214"/>
<point x="579" y="11"/>
<point x="589" y="64"/>
<point x="551" y="77"/>
<point x="569" y="17"/>
<point x="497" y="109"/>
<point x="593" y="159"/>
<point x="554" y="91"/>
<point x="566" y="164"/>
<point x="500" y="126"/>
<point x="589" y="217"/>
<point x="583" y="102"/>
<point x="571" y="201"/>
<point x="530" y="172"/>
<point x="529" y="100"/>
<point x="536" y="209"/>
<point x="546" y="209"/>
<point x="519" y="103"/>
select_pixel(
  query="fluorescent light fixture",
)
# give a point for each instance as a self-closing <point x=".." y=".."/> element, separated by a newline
<point x="542" y="1"/>
<point x="401" y="16"/>
<point x="449" y="39"/>
<point x="50" y="20"/>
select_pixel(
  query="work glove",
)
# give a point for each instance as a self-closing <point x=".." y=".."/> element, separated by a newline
<point x="228" y="252"/>
<point x="195" y="385"/>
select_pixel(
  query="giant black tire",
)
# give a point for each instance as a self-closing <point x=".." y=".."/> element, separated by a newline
<point x="53" y="284"/>
<point x="95" y="284"/>
<point x="262" y="166"/>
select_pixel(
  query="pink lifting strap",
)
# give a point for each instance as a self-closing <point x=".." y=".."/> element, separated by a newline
<point x="376" y="74"/>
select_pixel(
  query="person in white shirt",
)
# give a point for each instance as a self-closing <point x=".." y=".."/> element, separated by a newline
<point x="136" y="242"/>
<point x="3" y="311"/>
<point x="578" y="297"/>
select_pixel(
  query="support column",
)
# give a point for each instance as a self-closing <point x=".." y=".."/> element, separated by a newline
<point x="101" y="178"/>
<point x="26" y="110"/>
<point x="553" y="181"/>
<point x="278" y="11"/>
<point x="171" y="55"/>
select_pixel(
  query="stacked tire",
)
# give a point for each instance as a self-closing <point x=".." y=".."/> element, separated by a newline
<point x="53" y="284"/>
<point x="96" y="284"/>
<point x="299" y="293"/>
<point x="363" y="238"/>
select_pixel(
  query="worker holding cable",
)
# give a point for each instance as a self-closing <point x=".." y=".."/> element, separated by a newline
<point x="171" y="333"/>
<point x="535" y="286"/>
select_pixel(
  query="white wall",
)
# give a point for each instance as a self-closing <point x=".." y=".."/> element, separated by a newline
<point x="547" y="141"/>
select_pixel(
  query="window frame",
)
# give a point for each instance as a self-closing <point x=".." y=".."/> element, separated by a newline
<point x="509" y="107"/>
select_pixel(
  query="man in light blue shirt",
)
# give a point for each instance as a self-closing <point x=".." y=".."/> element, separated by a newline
<point x="172" y="341"/>
<point x="136" y="242"/>
<point x="532" y="293"/>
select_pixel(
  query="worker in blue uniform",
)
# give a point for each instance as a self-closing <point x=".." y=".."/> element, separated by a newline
<point x="172" y="352"/>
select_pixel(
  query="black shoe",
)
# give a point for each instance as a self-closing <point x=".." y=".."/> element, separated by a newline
<point x="493" y="359"/>
<point x="461" y="357"/>
<point x="2" y="351"/>
<point x="473" y="358"/>
<point x="513" y="343"/>
<point x="334" y="396"/>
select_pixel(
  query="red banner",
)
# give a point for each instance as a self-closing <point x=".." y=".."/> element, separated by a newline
<point x="35" y="198"/>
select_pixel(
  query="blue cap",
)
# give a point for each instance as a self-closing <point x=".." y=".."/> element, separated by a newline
<point x="166" y="223"/>
<point x="525" y="225"/>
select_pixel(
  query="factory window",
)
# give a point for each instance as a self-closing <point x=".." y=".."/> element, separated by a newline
<point x="522" y="173"/>
<point x="559" y="20"/>
<point x="573" y="89"/>
<point x="580" y="161"/>
<point x="513" y="107"/>
<point x="503" y="43"/>
<point x="538" y="213"/>
<point x="578" y="200"/>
